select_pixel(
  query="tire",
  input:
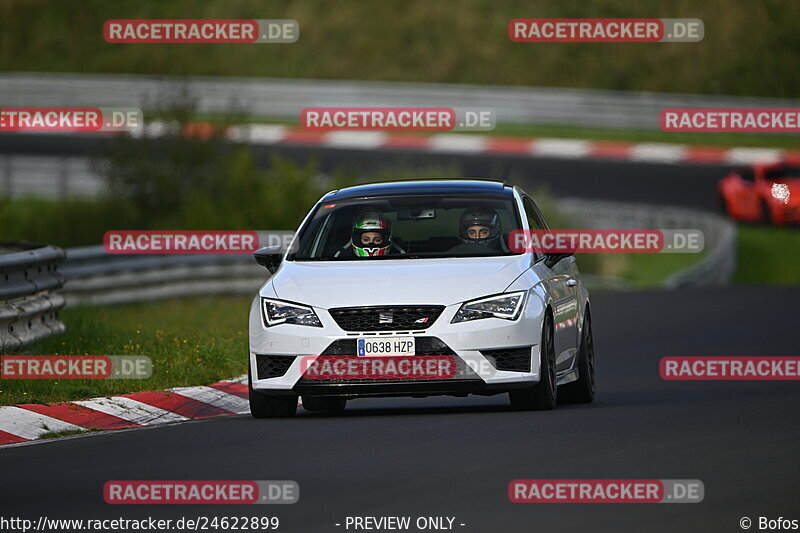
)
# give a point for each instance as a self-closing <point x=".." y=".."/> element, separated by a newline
<point x="265" y="406"/>
<point x="544" y="395"/>
<point x="582" y="390"/>
<point x="323" y="404"/>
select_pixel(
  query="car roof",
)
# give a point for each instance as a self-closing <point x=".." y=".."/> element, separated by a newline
<point x="412" y="187"/>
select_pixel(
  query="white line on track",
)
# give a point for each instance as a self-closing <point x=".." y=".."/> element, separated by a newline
<point x="658" y="152"/>
<point x="742" y="156"/>
<point x="258" y="133"/>
<point x="561" y="147"/>
<point x="453" y="142"/>
<point x="355" y="139"/>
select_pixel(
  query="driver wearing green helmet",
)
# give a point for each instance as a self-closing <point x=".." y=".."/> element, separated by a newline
<point x="371" y="236"/>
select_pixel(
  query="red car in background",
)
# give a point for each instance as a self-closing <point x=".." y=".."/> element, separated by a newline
<point x="765" y="192"/>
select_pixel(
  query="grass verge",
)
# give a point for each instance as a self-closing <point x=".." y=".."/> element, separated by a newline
<point x="767" y="255"/>
<point x="190" y="342"/>
<point x="202" y="340"/>
<point x="748" y="47"/>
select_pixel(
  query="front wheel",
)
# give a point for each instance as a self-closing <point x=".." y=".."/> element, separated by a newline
<point x="264" y="406"/>
<point x="582" y="390"/>
<point x="543" y="395"/>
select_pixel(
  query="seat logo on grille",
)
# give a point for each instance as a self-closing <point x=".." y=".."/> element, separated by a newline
<point x="385" y="318"/>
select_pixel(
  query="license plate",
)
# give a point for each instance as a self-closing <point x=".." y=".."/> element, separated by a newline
<point x="386" y="346"/>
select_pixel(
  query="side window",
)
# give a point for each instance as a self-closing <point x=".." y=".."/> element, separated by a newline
<point x="535" y="222"/>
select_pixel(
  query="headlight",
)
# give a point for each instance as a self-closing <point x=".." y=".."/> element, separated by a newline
<point x="277" y="312"/>
<point x="507" y="306"/>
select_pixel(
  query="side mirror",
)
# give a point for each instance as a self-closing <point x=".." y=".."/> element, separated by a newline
<point x="269" y="257"/>
<point x="551" y="259"/>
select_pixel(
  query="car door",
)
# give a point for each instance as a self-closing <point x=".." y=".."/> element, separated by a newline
<point x="744" y="201"/>
<point x="562" y="284"/>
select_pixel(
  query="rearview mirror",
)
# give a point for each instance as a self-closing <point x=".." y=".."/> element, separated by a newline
<point x="269" y="257"/>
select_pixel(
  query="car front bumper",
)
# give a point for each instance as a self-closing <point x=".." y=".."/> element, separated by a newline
<point x="471" y="343"/>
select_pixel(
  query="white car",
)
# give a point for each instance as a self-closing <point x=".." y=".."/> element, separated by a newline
<point x="411" y="288"/>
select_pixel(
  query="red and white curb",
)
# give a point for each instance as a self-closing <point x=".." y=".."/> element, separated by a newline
<point x="459" y="143"/>
<point x="469" y="144"/>
<point x="28" y="422"/>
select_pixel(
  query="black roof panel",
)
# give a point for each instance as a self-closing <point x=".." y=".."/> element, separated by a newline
<point x="391" y="188"/>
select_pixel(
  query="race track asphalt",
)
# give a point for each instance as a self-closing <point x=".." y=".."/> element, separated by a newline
<point x="455" y="457"/>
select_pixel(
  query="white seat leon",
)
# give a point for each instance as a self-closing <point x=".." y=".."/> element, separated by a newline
<point x="414" y="288"/>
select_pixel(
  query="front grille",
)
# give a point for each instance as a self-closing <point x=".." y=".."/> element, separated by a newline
<point x="273" y="366"/>
<point x="513" y="360"/>
<point x="386" y="318"/>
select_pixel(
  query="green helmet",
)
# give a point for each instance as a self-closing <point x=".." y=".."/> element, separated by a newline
<point x="371" y="223"/>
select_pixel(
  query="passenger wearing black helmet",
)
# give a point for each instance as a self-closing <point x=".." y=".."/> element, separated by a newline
<point x="480" y="231"/>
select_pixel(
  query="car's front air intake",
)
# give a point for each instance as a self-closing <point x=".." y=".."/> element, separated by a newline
<point x="510" y="359"/>
<point x="273" y="366"/>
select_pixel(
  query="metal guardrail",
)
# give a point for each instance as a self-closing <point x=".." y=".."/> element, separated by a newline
<point x="29" y="303"/>
<point x="280" y="98"/>
<point x="31" y="274"/>
<point x="719" y="261"/>
<point x="48" y="176"/>
<point x="719" y="266"/>
<point x="95" y="277"/>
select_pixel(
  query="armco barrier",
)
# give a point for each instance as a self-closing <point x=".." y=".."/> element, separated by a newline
<point x="719" y="261"/>
<point x="29" y="301"/>
<point x="95" y="277"/>
<point x="31" y="275"/>
<point x="282" y="98"/>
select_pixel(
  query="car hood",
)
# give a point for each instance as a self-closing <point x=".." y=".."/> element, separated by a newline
<point x="396" y="281"/>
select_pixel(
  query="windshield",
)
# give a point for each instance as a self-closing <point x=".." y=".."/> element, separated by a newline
<point x="782" y="172"/>
<point x="408" y="227"/>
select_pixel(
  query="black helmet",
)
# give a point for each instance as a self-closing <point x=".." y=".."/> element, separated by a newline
<point x="481" y="216"/>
